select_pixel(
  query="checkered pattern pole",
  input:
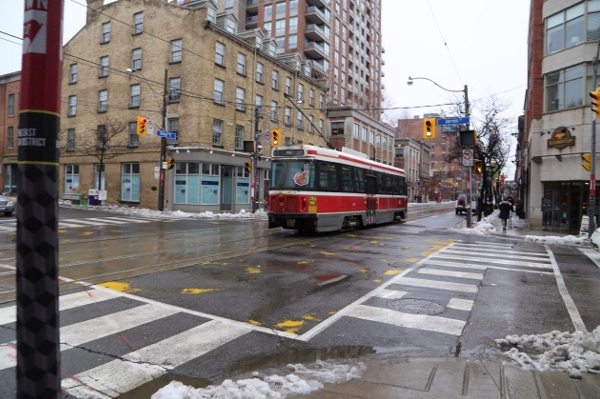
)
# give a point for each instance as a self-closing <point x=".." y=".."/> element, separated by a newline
<point x="38" y="352"/>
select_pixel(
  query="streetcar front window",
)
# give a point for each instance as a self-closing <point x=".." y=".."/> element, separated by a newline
<point x="292" y="175"/>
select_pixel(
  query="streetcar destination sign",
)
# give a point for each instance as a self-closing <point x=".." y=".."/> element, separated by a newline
<point x="460" y="120"/>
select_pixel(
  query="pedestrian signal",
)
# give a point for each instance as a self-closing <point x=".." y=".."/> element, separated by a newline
<point x="142" y="126"/>
<point x="248" y="167"/>
<point x="429" y="128"/>
<point x="275" y="137"/>
<point x="477" y="167"/>
<point x="587" y="161"/>
<point x="170" y="163"/>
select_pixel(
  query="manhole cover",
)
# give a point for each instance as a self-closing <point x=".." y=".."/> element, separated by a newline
<point x="415" y="306"/>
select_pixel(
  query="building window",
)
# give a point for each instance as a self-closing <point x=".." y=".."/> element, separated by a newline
<point x="280" y="10"/>
<point x="220" y="54"/>
<point x="311" y="97"/>
<point x="258" y="102"/>
<point x="134" y="96"/>
<point x="134" y="140"/>
<point x="138" y="23"/>
<point x="240" y="99"/>
<point x="173" y="125"/>
<point x="299" y="124"/>
<point x="293" y="25"/>
<point x="300" y="93"/>
<point x="241" y="64"/>
<point x="274" y="108"/>
<point x="11" y="104"/>
<point x="565" y="29"/>
<point x="72" y="106"/>
<point x="217" y="138"/>
<point x="565" y="88"/>
<point x="275" y="80"/>
<point x="71" y="178"/>
<point x="292" y="42"/>
<point x="321" y="124"/>
<point x="104" y="61"/>
<point x="72" y="74"/>
<point x="259" y="73"/>
<point x="287" y="116"/>
<point x="311" y="118"/>
<point x="268" y="12"/>
<point x="288" y="85"/>
<point x="105" y="33"/>
<point x="218" y="87"/>
<point x="175" y="89"/>
<point x="10" y="137"/>
<point x="130" y="182"/>
<point x="239" y="137"/>
<point x="103" y="101"/>
<point x="101" y="137"/>
<point x="280" y="27"/>
<point x="176" y="50"/>
<point x="136" y="59"/>
<point x="321" y="102"/>
<point x="70" y="139"/>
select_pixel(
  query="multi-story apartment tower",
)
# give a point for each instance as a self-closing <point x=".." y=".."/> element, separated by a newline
<point x="342" y="38"/>
<point x="189" y="71"/>
<point x="563" y="42"/>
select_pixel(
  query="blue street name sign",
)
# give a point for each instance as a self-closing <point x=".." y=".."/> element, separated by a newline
<point x="167" y="135"/>
<point x="461" y="120"/>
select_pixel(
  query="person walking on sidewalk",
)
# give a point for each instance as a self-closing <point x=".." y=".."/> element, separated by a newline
<point x="505" y="208"/>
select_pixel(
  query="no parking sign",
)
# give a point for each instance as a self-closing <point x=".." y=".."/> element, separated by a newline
<point x="467" y="157"/>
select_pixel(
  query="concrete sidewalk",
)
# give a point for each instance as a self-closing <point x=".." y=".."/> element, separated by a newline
<point x="457" y="378"/>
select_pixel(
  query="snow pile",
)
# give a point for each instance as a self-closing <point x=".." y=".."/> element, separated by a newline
<point x="487" y="225"/>
<point x="577" y="352"/>
<point x="302" y="380"/>
<point x="560" y="240"/>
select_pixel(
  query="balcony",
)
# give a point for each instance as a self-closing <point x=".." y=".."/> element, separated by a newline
<point x="315" y="15"/>
<point x="252" y="22"/>
<point x="252" y="6"/>
<point x="314" y="51"/>
<point x="315" y="33"/>
<point x="318" y="3"/>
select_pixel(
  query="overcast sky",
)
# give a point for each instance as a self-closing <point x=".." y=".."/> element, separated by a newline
<point x="478" y="43"/>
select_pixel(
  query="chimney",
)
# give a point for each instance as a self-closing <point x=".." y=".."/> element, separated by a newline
<point x="92" y="7"/>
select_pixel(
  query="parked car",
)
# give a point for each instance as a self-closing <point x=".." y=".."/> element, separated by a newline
<point x="7" y="205"/>
<point x="461" y="204"/>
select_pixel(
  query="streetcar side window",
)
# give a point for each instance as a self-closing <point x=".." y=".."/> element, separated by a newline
<point x="293" y="175"/>
<point x="359" y="180"/>
<point x="327" y="176"/>
<point x="347" y="179"/>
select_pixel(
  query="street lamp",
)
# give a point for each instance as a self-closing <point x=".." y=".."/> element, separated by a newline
<point x="465" y="92"/>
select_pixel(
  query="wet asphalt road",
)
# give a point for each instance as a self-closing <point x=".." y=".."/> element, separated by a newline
<point x="284" y="297"/>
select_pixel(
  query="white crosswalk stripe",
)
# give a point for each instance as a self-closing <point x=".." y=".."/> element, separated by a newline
<point x="447" y="281"/>
<point x="11" y="226"/>
<point x="111" y="378"/>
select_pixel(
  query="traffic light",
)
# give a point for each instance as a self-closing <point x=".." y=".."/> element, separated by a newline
<point x="248" y="167"/>
<point x="275" y="137"/>
<point x="587" y="161"/>
<point x="170" y="163"/>
<point x="595" y="94"/>
<point x="477" y="167"/>
<point x="429" y="128"/>
<point x="142" y="126"/>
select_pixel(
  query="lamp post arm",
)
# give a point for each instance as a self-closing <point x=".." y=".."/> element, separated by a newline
<point x="435" y="83"/>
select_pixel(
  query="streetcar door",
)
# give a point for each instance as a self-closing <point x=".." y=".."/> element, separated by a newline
<point x="371" y="200"/>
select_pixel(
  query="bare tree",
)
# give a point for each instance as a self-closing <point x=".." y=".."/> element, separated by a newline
<point x="104" y="143"/>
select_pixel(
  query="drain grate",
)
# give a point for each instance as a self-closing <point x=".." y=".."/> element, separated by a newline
<point x="415" y="306"/>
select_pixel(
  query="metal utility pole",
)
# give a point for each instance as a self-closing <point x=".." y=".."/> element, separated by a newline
<point x="592" y="189"/>
<point x="163" y="149"/>
<point x="254" y="177"/>
<point x="469" y="184"/>
<point x="38" y="327"/>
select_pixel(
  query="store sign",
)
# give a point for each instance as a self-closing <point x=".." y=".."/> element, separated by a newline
<point x="561" y="138"/>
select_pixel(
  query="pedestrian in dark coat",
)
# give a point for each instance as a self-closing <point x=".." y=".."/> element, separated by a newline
<point x="505" y="208"/>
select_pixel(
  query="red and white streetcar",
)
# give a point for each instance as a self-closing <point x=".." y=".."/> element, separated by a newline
<point x="320" y="189"/>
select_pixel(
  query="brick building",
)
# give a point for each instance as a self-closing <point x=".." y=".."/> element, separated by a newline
<point x="189" y="71"/>
<point x="9" y="123"/>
